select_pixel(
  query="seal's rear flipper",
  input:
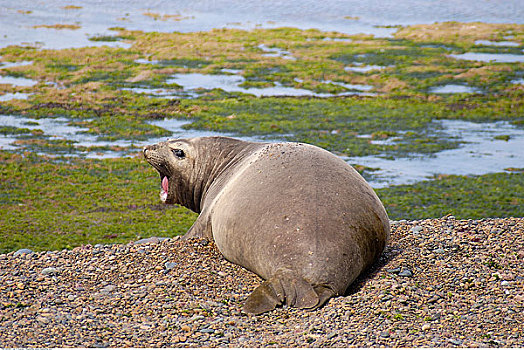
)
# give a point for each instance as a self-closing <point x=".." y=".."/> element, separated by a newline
<point x="324" y="294"/>
<point x="261" y="300"/>
<point x="286" y="287"/>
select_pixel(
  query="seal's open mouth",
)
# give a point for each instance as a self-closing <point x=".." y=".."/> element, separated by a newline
<point x="164" y="189"/>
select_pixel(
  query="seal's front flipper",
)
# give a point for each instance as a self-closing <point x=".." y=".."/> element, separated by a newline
<point x="286" y="287"/>
<point x="201" y="228"/>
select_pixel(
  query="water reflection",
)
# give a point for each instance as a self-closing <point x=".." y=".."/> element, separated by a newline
<point x="480" y="154"/>
<point x="193" y="83"/>
<point x="16" y="81"/>
<point x="497" y="43"/>
<point x="14" y="96"/>
<point x="489" y="57"/>
<point x="453" y="89"/>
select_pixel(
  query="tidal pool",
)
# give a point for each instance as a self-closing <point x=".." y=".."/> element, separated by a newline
<point x="489" y="57"/>
<point x="230" y="83"/>
<point x="16" y="81"/>
<point x="14" y="96"/>
<point x="276" y="52"/>
<point x="59" y="129"/>
<point x="481" y="153"/>
<point x="497" y="43"/>
<point x="453" y="89"/>
<point x="363" y="69"/>
<point x="4" y="65"/>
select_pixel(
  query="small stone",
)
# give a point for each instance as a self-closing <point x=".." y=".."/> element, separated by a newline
<point x="504" y="283"/>
<point x="395" y="270"/>
<point x="42" y="319"/>
<point x="332" y="335"/>
<point x="207" y="330"/>
<point x="455" y="341"/>
<point x="108" y="289"/>
<point x="185" y="328"/>
<point x="439" y="251"/>
<point x="197" y="317"/>
<point x="406" y="273"/>
<point x="416" y="229"/>
<point x="384" y="334"/>
<point x="426" y="326"/>
<point x="49" y="271"/>
<point x="170" y="265"/>
<point x="22" y="251"/>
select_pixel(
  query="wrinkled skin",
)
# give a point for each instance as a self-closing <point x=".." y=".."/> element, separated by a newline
<point x="296" y="215"/>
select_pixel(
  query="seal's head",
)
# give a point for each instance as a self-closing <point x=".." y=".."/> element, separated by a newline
<point x="187" y="167"/>
<point x="173" y="160"/>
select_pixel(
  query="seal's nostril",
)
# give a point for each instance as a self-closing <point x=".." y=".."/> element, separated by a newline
<point x="146" y="150"/>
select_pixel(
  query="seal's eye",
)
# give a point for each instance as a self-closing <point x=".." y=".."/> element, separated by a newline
<point x="179" y="153"/>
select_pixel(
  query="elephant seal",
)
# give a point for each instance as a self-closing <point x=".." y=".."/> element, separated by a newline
<point x="295" y="214"/>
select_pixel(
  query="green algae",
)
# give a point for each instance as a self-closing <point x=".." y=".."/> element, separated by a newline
<point x="465" y="197"/>
<point x="65" y="204"/>
<point x="338" y="124"/>
<point x="111" y="38"/>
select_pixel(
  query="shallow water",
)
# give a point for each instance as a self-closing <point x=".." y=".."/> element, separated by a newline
<point x="276" y="52"/>
<point x="364" y="69"/>
<point x="453" y="89"/>
<point x="489" y="57"/>
<point x="4" y="65"/>
<point x="347" y="16"/>
<point x="481" y="154"/>
<point x="192" y="82"/>
<point x="497" y="43"/>
<point x="61" y="129"/>
<point x="15" y="81"/>
<point x="14" y="96"/>
<point x="175" y="126"/>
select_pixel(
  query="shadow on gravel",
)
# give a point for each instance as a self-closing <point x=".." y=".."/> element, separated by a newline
<point x="390" y="252"/>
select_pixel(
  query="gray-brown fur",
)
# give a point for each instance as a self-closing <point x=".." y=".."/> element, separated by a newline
<point x="296" y="215"/>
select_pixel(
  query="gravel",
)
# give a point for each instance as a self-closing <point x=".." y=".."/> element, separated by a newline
<point x="466" y="289"/>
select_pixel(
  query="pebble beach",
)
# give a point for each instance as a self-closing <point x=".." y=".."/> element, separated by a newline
<point x="440" y="283"/>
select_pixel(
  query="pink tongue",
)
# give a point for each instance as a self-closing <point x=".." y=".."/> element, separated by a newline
<point x="165" y="184"/>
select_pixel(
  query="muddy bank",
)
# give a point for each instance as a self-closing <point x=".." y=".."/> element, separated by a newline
<point x="441" y="282"/>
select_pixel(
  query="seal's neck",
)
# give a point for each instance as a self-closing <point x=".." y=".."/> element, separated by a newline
<point x="215" y="159"/>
